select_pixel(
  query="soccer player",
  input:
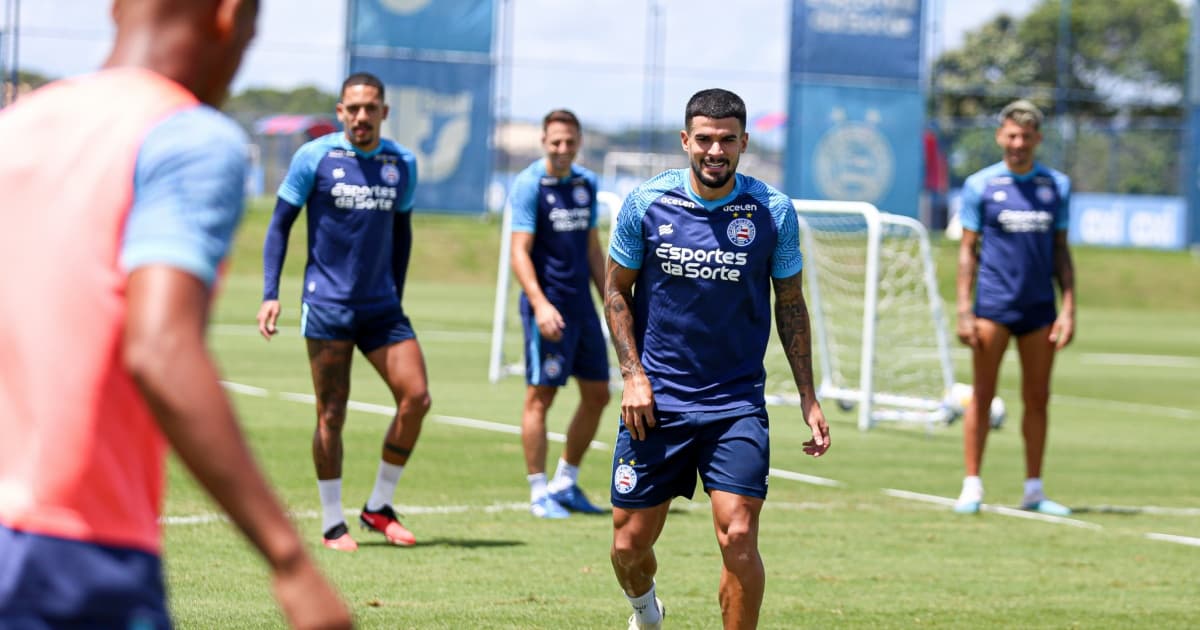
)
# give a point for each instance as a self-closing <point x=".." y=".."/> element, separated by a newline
<point x="691" y="267"/>
<point x="555" y="254"/>
<point x="120" y="192"/>
<point x="358" y="188"/>
<point x="1014" y="248"/>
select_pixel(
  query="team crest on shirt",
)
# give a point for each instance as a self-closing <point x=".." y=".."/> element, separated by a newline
<point x="581" y="196"/>
<point x="999" y="196"/>
<point x="1045" y="194"/>
<point x="390" y="174"/>
<point x="740" y="232"/>
<point x="625" y="479"/>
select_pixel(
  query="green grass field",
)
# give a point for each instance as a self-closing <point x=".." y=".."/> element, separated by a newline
<point x="1123" y="451"/>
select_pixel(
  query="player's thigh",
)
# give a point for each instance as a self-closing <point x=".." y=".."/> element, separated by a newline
<point x="986" y="359"/>
<point x="590" y="360"/>
<point x="650" y="472"/>
<point x="330" y="360"/>
<point x="735" y="516"/>
<point x="735" y="452"/>
<point x="1036" y="352"/>
<point x="639" y="528"/>
<point x="402" y="367"/>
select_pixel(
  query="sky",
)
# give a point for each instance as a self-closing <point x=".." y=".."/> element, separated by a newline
<point x="586" y="55"/>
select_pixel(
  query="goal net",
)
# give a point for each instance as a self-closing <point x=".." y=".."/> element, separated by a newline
<point x="879" y="331"/>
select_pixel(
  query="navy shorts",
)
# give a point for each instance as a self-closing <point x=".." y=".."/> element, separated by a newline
<point x="731" y="451"/>
<point x="1023" y="321"/>
<point x="581" y="352"/>
<point x="49" y="582"/>
<point x="370" y="327"/>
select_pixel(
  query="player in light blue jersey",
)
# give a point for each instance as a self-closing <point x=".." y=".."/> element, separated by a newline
<point x="1014" y="248"/>
<point x="556" y="255"/>
<point x="692" y="263"/>
<point x="358" y="188"/>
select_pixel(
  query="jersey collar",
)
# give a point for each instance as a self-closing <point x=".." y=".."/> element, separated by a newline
<point x="349" y="146"/>
<point x="716" y="203"/>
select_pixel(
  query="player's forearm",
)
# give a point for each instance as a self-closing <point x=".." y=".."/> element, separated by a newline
<point x="967" y="263"/>
<point x="163" y="349"/>
<point x="618" y="312"/>
<point x="1064" y="273"/>
<point x="275" y="246"/>
<point x="522" y="266"/>
<point x="795" y="333"/>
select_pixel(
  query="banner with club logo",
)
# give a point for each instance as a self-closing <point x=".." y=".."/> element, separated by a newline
<point x="435" y="61"/>
<point x="855" y="104"/>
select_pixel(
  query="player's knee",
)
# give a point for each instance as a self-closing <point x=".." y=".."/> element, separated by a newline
<point x="738" y="538"/>
<point x="629" y="550"/>
<point x="597" y="398"/>
<point x="332" y="418"/>
<point x="416" y="403"/>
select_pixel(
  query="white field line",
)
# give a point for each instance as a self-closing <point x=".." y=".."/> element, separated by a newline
<point x="1005" y="511"/>
<point x="1140" y="360"/>
<point x="1183" y="540"/>
<point x="803" y="478"/>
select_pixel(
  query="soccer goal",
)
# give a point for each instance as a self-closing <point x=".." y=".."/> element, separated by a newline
<point x="507" y="356"/>
<point x="879" y="326"/>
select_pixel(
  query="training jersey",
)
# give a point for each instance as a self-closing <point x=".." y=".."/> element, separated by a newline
<point x="702" y="299"/>
<point x="154" y="178"/>
<point x="351" y="199"/>
<point x="560" y="213"/>
<point x="1016" y="217"/>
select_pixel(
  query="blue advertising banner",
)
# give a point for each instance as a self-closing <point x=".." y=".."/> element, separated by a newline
<point x="855" y="104"/>
<point x="1128" y="221"/>
<point x="856" y="144"/>
<point x="869" y="38"/>
<point x="461" y="25"/>
<point x="442" y="113"/>
<point x="1191" y="143"/>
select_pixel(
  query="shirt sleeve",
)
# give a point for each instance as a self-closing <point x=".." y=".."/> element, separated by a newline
<point x="786" y="260"/>
<point x="595" y="222"/>
<point x="1063" y="220"/>
<point x="968" y="207"/>
<point x="410" y="193"/>
<point x="628" y="246"/>
<point x="302" y="174"/>
<point x="188" y="194"/>
<point x="522" y="200"/>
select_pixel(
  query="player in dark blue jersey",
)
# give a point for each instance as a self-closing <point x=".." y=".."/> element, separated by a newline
<point x="358" y="188"/>
<point x="703" y="246"/>
<point x="556" y="255"/>
<point x="1014" y="248"/>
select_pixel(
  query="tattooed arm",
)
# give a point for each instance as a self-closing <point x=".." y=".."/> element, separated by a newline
<point x="637" y="399"/>
<point x="1064" y="272"/>
<point x="791" y="318"/>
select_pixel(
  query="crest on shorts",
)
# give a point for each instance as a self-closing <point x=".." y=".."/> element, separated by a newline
<point x="740" y="232"/>
<point x="625" y="479"/>
<point x="390" y="174"/>
<point x="581" y="196"/>
<point x="553" y="366"/>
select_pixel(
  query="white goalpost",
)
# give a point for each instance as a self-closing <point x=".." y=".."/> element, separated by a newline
<point x="879" y="327"/>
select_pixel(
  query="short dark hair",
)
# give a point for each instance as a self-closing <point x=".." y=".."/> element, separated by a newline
<point x="715" y="103"/>
<point x="362" y="78"/>
<point x="565" y="116"/>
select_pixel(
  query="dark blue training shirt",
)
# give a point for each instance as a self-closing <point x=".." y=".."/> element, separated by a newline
<point x="1016" y="217"/>
<point x="559" y="213"/>
<point x="702" y="301"/>
<point x="352" y="198"/>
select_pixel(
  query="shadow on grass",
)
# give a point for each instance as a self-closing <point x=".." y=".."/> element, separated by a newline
<point x="462" y="543"/>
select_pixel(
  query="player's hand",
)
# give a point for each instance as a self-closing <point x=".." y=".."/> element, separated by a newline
<point x="966" y="331"/>
<point x="637" y="406"/>
<point x="307" y="599"/>
<point x="268" y="314"/>
<point x="1063" y="330"/>
<point x="549" y="322"/>
<point x="815" y="418"/>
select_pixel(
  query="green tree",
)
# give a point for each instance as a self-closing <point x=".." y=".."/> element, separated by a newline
<point x="262" y="101"/>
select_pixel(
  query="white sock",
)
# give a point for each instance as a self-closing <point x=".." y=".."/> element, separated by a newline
<point x="1033" y="490"/>
<point x="565" y="477"/>
<point x="972" y="489"/>
<point x="537" y="486"/>
<point x="644" y="607"/>
<point x="331" y="502"/>
<point x="385" y="485"/>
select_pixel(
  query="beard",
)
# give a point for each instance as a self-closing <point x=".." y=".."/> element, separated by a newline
<point x="710" y="180"/>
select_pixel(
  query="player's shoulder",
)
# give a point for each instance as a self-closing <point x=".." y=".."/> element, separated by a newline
<point x="395" y="148"/>
<point x="655" y="187"/>
<point x="983" y="177"/>
<point x="764" y="193"/>
<point x="1060" y="178"/>
<point x="195" y="131"/>
<point x="578" y="171"/>
<point x="316" y="149"/>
